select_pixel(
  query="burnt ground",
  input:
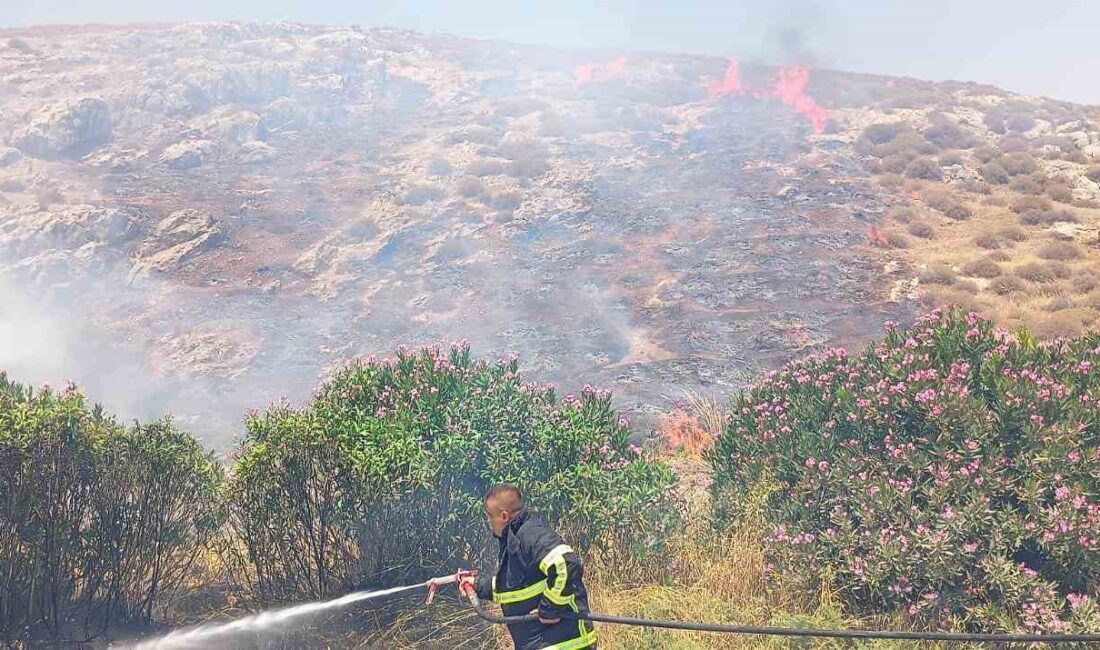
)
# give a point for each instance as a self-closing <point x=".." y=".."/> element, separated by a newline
<point x="630" y="233"/>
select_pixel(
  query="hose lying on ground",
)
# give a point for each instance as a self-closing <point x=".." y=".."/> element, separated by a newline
<point x="787" y="631"/>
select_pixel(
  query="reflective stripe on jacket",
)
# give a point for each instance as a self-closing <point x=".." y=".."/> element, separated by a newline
<point x="537" y="570"/>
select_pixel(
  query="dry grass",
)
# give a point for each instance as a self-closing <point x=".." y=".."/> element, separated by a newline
<point x="1067" y="323"/>
<point x="1007" y="285"/>
<point x="1059" y="250"/>
<point x="940" y="274"/>
<point x="991" y="241"/>
<point x="947" y="205"/>
<point x="897" y="240"/>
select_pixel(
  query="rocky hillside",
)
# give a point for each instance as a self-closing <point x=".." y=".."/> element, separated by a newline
<point x="233" y="208"/>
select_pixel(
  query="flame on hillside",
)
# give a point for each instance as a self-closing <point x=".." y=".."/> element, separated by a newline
<point x="588" y="72"/>
<point x="789" y="88"/>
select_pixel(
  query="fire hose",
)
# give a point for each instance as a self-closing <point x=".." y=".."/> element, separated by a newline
<point x="466" y="589"/>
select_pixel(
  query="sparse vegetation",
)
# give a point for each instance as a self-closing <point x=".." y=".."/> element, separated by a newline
<point x="994" y="173"/>
<point x="1093" y="174"/>
<point x="1040" y="272"/>
<point x="1059" y="250"/>
<point x="990" y="241"/>
<point x="1007" y="285"/>
<point x="922" y="229"/>
<point x="924" y="168"/>
<point x="1026" y="204"/>
<point x="1018" y="164"/>
<point x="950" y="158"/>
<point x="1060" y="192"/>
<point x="1047" y="217"/>
<point x="983" y="268"/>
<point x="948" y="135"/>
<point x="486" y="167"/>
<point x="422" y="193"/>
<point x="439" y="167"/>
<point x="1033" y="184"/>
<point x="471" y="187"/>
<point x="948" y="206"/>
<point x="507" y="200"/>
<point x="897" y="240"/>
<point x="938" y="274"/>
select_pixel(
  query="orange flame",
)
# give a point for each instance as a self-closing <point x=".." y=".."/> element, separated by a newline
<point x="584" y="73"/>
<point x="730" y="85"/>
<point x="617" y="67"/>
<point x="790" y="88"/>
<point x="588" y="72"/>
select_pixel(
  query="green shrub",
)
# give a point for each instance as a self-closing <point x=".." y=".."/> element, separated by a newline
<point x="386" y="469"/>
<point x="99" y="523"/>
<point x="949" y="473"/>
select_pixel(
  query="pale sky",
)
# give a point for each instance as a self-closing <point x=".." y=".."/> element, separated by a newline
<point x="1047" y="48"/>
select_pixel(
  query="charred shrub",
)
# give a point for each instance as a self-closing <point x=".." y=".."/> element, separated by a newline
<point x="1093" y="174"/>
<point x="834" y="449"/>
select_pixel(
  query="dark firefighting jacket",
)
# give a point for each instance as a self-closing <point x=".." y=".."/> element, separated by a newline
<point x="537" y="570"/>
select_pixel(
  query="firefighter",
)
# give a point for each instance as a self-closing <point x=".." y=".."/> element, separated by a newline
<point x="537" y="573"/>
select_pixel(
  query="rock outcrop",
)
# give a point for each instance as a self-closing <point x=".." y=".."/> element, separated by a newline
<point x="177" y="238"/>
<point x="65" y="130"/>
<point x="188" y="154"/>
